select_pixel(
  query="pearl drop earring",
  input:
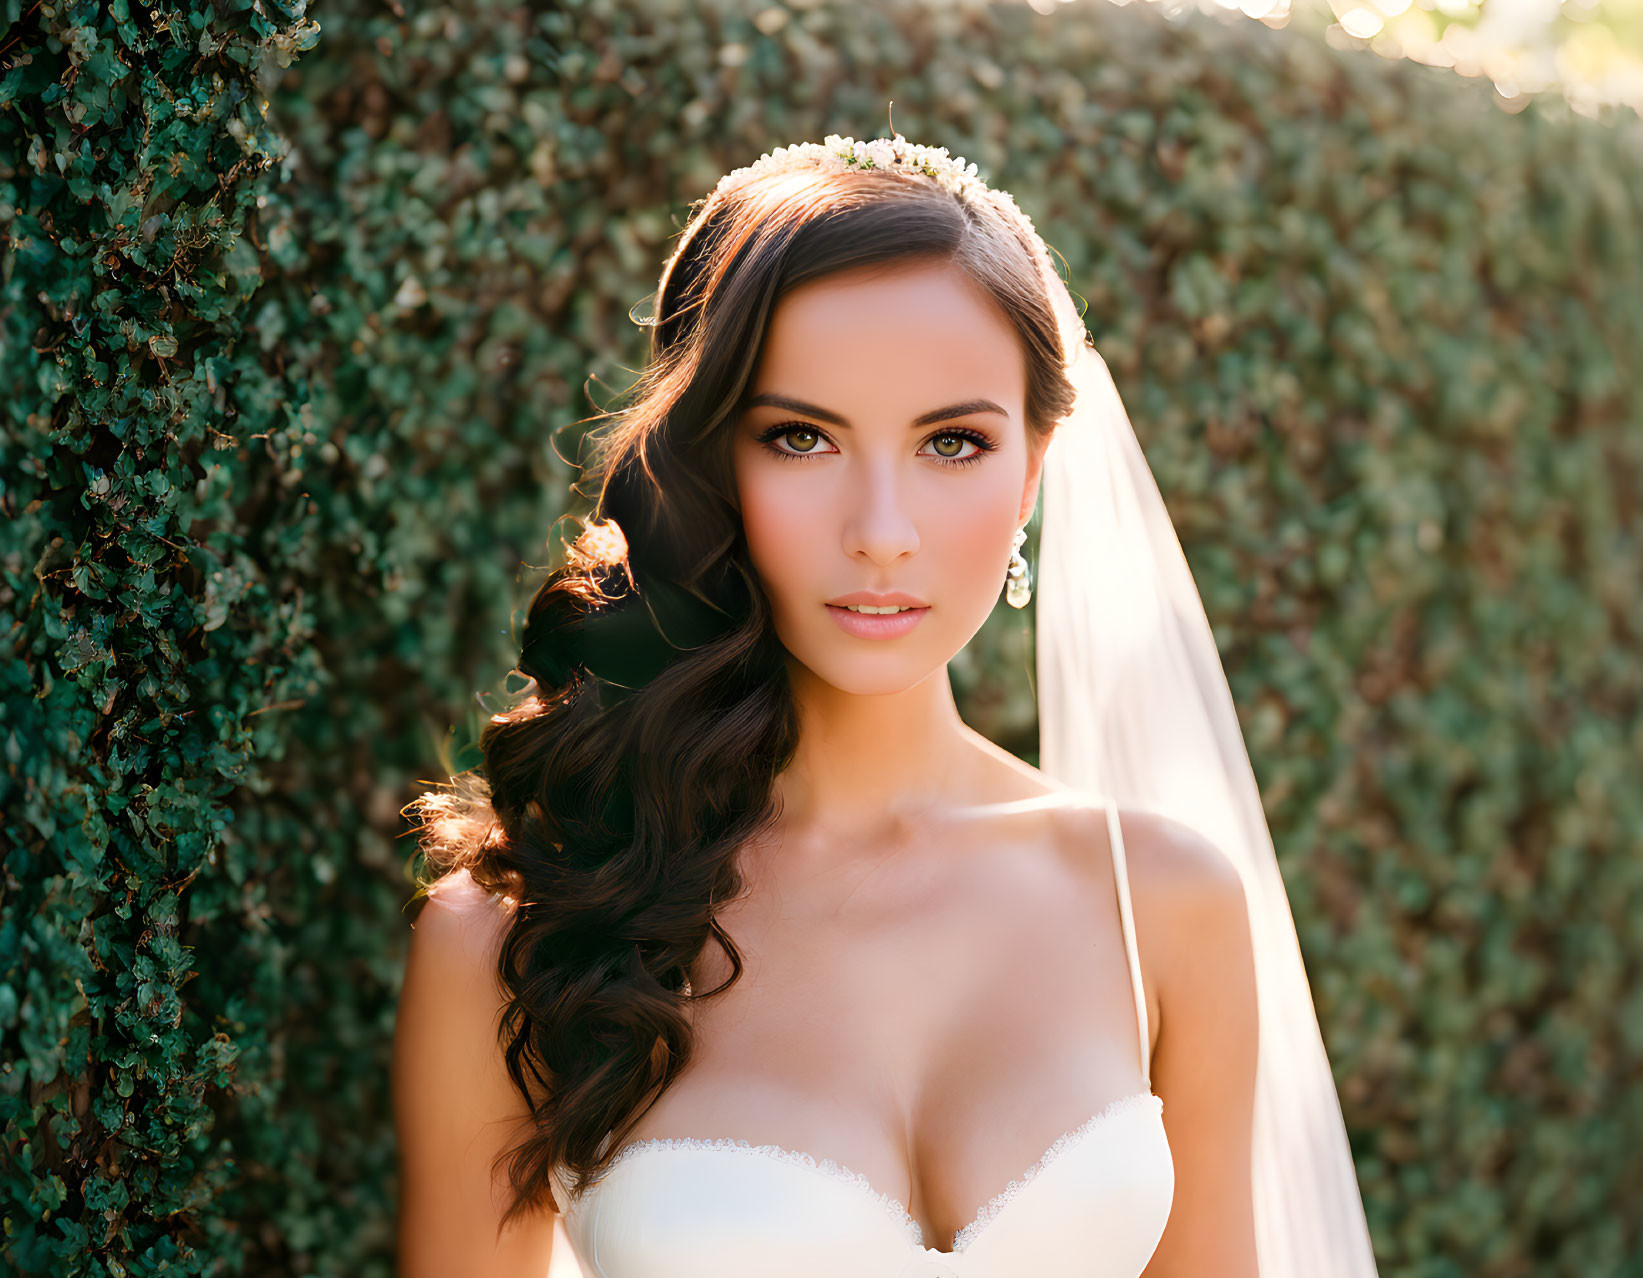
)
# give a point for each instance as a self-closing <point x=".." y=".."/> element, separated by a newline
<point x="1018" y="589"/>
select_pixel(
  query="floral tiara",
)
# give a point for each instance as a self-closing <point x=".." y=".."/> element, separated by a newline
<point x="840" y="153"/>
<point x="950" y="171"/>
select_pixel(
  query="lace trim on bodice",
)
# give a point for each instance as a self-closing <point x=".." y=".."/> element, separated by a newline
<point x="888" y="1202"/>
<point x="1061" y="1144"/>
<point x="824" y="1165"/>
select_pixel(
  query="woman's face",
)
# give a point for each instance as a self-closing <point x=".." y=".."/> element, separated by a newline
<point x="883" y="448"/>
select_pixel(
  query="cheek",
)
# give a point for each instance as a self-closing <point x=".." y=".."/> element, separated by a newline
<point x="974" y="543"/>
<point x="971" y="542"/>
<point x="782" y="524"/>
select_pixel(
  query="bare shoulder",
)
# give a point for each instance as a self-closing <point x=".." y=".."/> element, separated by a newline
<point x="1196" y="944"/>
<point x="456" y="1108"/>
<point x="1170" y="860"/>
<point x="452" y="996"/>
<point x="461" y="917"/>
<point x="1179" y="879"/>
<point x="1170" y="855"/>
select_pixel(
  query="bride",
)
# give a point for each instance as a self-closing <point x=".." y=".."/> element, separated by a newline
<point x="745" y="956"/>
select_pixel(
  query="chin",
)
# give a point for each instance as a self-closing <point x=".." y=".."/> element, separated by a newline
<point x="854" y="667"/>
<point x="855" y="679"/>
<point x="875" y="667"/>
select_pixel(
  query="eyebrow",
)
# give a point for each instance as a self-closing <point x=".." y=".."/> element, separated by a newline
<point x="964" y="409"/>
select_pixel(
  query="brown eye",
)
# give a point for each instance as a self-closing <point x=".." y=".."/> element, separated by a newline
<point x="809" y="446"/>
<point x="949" y="442"/>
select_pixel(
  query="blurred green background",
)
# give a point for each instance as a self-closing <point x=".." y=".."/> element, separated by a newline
<point x="1591" y="51"/>
<point x="301" y="318"/>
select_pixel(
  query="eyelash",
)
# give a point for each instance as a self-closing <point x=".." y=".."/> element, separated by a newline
<point x="982" y="443"/>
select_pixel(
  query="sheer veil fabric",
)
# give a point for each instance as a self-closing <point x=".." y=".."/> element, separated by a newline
<point x="1134" y="704"/>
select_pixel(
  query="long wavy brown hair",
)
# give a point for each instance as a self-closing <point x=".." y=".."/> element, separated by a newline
<point x="613" y="798"/>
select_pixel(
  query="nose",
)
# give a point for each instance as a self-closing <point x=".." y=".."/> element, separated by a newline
<point x="881" y="525"/>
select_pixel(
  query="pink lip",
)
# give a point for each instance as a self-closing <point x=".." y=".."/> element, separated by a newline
<point x="884" y="626"/>
<point x="873" y="600"/>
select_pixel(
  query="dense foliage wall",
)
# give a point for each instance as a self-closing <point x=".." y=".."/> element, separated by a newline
<point x="299" y="331"/>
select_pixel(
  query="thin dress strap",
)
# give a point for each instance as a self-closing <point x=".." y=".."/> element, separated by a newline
<point x="1126" y="919"/>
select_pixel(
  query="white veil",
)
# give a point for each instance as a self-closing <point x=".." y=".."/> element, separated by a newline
<point x="1134" y="703"/>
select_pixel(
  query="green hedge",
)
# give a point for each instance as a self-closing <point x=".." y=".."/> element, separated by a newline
<point x="300" y="328"/>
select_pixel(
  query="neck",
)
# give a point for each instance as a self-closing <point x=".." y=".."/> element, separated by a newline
<point x="868" y="764"/>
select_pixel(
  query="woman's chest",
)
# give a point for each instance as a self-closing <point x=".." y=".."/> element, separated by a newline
<point x="1094" y="1206"/>
<point x="935" y="1039"/>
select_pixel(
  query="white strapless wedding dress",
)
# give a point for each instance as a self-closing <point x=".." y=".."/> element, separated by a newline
<point x="1094" y="1206"/>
